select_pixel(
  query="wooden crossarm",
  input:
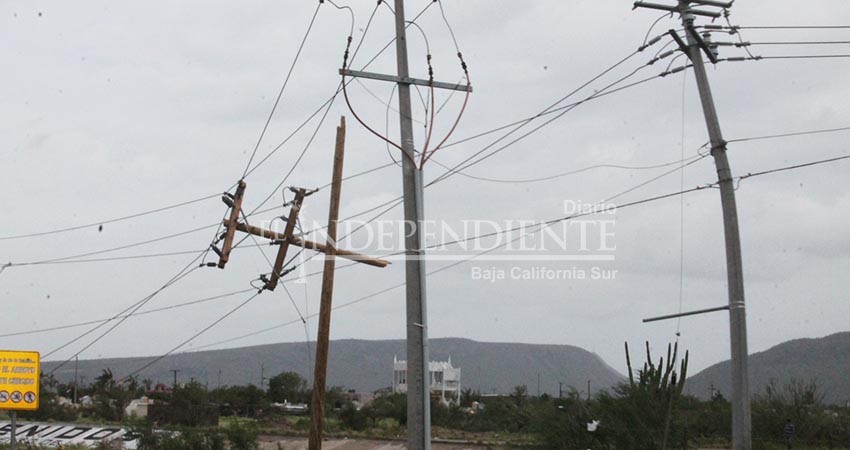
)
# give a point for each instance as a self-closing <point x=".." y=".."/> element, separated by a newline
<point x="303" y="243"/>
<point x="235" y="210"/>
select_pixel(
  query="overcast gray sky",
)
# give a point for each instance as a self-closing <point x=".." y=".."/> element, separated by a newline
<point x="115" y="108"/>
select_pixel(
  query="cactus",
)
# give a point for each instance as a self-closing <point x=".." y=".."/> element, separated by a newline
<point x="662" y="379"/>
<point x="659" y="383"/>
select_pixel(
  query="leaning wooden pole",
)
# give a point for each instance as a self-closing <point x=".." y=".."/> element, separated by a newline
<point x="322" y="341"/>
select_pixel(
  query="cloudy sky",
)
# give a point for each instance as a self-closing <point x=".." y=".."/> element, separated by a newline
<point x="112" y="109"/>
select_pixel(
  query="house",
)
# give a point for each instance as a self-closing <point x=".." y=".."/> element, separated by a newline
<point x="444" y="379"/>
<point x="138" y="407"/>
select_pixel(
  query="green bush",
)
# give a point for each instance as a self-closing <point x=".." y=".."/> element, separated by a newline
<point x="242" y="436"/>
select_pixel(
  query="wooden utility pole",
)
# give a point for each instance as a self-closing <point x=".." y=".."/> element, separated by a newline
<point x="317" y="408"/>
<point x="694" y="48"/>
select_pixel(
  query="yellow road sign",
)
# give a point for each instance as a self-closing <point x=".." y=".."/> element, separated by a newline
<point x="19" y="376"/>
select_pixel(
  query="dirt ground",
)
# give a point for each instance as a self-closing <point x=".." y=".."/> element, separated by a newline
<point x="294" y="443"/>
<point x="285" y="443"/>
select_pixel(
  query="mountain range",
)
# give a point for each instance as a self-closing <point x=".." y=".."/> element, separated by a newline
<point x="826" y="361"/>
<point x="486" y="366"/>
<point x="368" y="365"/>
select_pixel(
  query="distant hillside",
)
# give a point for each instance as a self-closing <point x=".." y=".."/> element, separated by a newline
<point x="367" y="365"/>
<point x="825" y="360"/>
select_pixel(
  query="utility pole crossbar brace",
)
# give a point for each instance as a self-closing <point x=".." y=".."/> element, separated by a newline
<point x="685" y="314"/>
<point x="404" y="80"/>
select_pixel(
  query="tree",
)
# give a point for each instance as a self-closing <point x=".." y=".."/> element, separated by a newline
<point x="519" y="394"/>
<point x="288" y="387"/>
<point x="111" y="397"/>
<point x="246" y="401"/>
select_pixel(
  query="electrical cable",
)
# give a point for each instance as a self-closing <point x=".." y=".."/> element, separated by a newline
<point x="570" y="217"/>
<point x="543" y="224"/>
<point x="798" y="27"/>
<point x="735" y="31"/>
<point x="108" y="221"/>
<point x="794" y="167"/>
<point x="186" y="270"/>
<point x="571" y="172"/>
<point x="682" y="211"/>
<point x="333" y="97"/>
<point x="784" y="135"/>
<point x="139" y="313"/>
<point x="759" y="58"/>
<point x="271" y="266"/>
<point x="748" y="43"/>
<point x="425" y="155"/>
<point x="297" y="161"/>
<point x="549" y="109"/>
<point x="113" y="249"/>
<point x="465" y="164"/>
<point x="193" y="337"/>
<point x="283" y="87"/>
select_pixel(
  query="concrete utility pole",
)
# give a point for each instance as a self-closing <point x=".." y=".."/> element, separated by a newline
<point x="418" y="377"/>
<point x="418" y="387"/>
<point x="175" y="372"/>
<point x="741" y="415"/>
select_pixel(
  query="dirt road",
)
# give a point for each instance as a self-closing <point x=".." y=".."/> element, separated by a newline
<point x="282" y="443"/>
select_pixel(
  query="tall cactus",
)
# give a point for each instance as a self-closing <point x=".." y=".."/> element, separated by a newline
<point x="661" y="379"/>
<point x="660" y="384"/>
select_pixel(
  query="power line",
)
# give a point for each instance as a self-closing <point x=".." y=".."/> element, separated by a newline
<point x="333" y="97"/>
<point x="108" y="221"/>
<point x="282" y="89"/>
<point x="76" y="258"/>
<point x="572" y="172"/>
<point x="397" y="201"/>
<point x="113" y="249"/>
<point x="784" y="135"/>
<point x="297" y="160"/>
<point x="186" y="270"/>
<point x="136" y="314"/>
<point x="465" y="164"/>
<point x="194" y="336"/>
<point x="759" y="58"/>
<point x="247" y="172"/>
<point x="794" y="167"/>
<point x="329" y="103"/>
<point x="543" y="224"/>
<point x="110" y="259"/>
<point x="744" y="44"/>
<point x="443" y="244"/>
<point x="571" y="217"/>
<point x="797" y="27"/>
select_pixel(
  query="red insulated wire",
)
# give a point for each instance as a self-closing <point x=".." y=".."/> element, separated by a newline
<point x="354" y="113"/>
<point x="430" y="128"/>
<point x="457" y="121"/>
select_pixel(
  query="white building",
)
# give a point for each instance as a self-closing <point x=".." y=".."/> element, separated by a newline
<point x="445" y="379"/>
<point x="138" y="407"/>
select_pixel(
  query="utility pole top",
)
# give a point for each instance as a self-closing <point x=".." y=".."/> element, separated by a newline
<point x="684" y="7"/>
